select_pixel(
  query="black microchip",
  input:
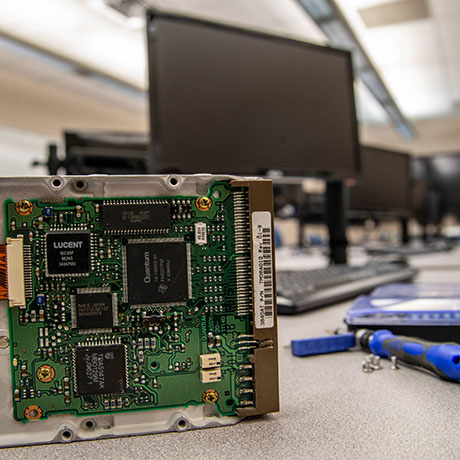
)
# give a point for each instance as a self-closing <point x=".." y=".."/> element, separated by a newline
<point x="68" y="253"/>
<point x="134" y="217"/>
<point x="157" y="273"/>
<point x="100" y="369"/>
<point x="94" y="310"/>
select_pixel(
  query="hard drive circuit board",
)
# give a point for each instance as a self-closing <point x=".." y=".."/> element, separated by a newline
<point x="130" y="303"/>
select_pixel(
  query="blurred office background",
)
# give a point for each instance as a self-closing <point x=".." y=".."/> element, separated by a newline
<point x="81" y="65"/>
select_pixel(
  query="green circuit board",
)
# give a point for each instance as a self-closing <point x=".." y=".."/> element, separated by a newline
<point x="130" y="303"/>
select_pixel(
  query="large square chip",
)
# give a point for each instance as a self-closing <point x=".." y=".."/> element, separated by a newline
<point x="100" y="369"/>
<point x="68" y="253"/>
<point x="157" y="272"/>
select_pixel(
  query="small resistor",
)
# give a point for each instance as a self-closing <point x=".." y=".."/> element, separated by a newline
<point x="101" y="242"/>
<point x="31" y="236"/>
<point x="78" y="211"/>
<point x="40" y="223"/>
<point x="17" y="395"/>
<point x="61" y="218"/>
<point x="41" y="315"/>
<point x="211" y="342"/>
<point x="96" y="207"/>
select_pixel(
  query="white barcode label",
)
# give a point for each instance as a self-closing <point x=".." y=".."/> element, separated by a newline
<point x="201" y="235"/>
<point x="262" y="260"/>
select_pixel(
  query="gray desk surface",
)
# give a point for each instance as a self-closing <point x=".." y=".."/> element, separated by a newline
<point x="329" y="409"/>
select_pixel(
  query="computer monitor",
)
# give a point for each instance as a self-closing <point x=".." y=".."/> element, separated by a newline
<point x="229" y="100"/>
<point x="443" y="172"/>
<point x="384" y="186"/>
<point x="107" y="153"/>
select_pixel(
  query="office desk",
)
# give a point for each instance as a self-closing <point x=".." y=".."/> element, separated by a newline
<point x="330" y="409"/>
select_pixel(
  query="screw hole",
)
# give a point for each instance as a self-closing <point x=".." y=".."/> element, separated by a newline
<point x="89" y="424"/>
<point x="80" y="184"/>
<point x="182" y="424"/>
<point x="56" y="183"/>
<point x="229" y="402"/>
<point x="173" y="181"/>
<point x="154" y="365"/>
<point x="456" y="360"/>
<point x="216" y="194"/>
<point x="66" y="435"/>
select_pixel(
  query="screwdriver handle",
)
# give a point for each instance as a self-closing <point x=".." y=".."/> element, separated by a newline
<point x="442" y="359"/>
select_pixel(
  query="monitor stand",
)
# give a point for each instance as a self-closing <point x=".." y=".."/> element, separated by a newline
<point x="405" y="230"/>
<point x="337" y="204"/>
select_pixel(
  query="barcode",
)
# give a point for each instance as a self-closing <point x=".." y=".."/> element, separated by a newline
<point x="267" y="271"/>
<point x="263" y="269"/>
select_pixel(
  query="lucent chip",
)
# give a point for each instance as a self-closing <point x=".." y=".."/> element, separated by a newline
<point x="100" y="369"/>
<point x="94" y="310"/>
<point x="125" y="217"/>
<point x="68" y="253"/>
<point x="157" y="272"/>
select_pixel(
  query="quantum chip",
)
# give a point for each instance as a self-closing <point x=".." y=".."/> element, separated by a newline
<point x="100" y="369"/>
<point x="68" y="253"/>
<point x="125" y="217"/>
<point x="93" y="310"/>
<point x="157" y="272"/>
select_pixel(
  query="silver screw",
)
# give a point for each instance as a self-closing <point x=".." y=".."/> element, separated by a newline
<point x="375" y="363"/>
<point x="4" y="342"/>
<point x="394" y="363"/>
<point x="366" y="367"/>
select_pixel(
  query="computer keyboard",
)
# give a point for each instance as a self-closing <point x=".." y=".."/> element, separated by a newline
<point x="415" y="249"/>
<point x="302" y="290"/>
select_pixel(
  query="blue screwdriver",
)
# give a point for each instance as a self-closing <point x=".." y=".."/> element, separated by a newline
<point x="443" y="359"/>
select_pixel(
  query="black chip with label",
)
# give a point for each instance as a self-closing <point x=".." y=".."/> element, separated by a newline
<point x="93" y="310"/>
<point x="135" y="217"/>
<point x="157" y="273"/>
<point x="68" y="253"/>
<point x="100" y="369"/>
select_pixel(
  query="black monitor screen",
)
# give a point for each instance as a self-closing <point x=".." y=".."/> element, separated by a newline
<point x="444" y="179"/>
<point x="384" y="184"/>
<point x="228" y="100"/>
